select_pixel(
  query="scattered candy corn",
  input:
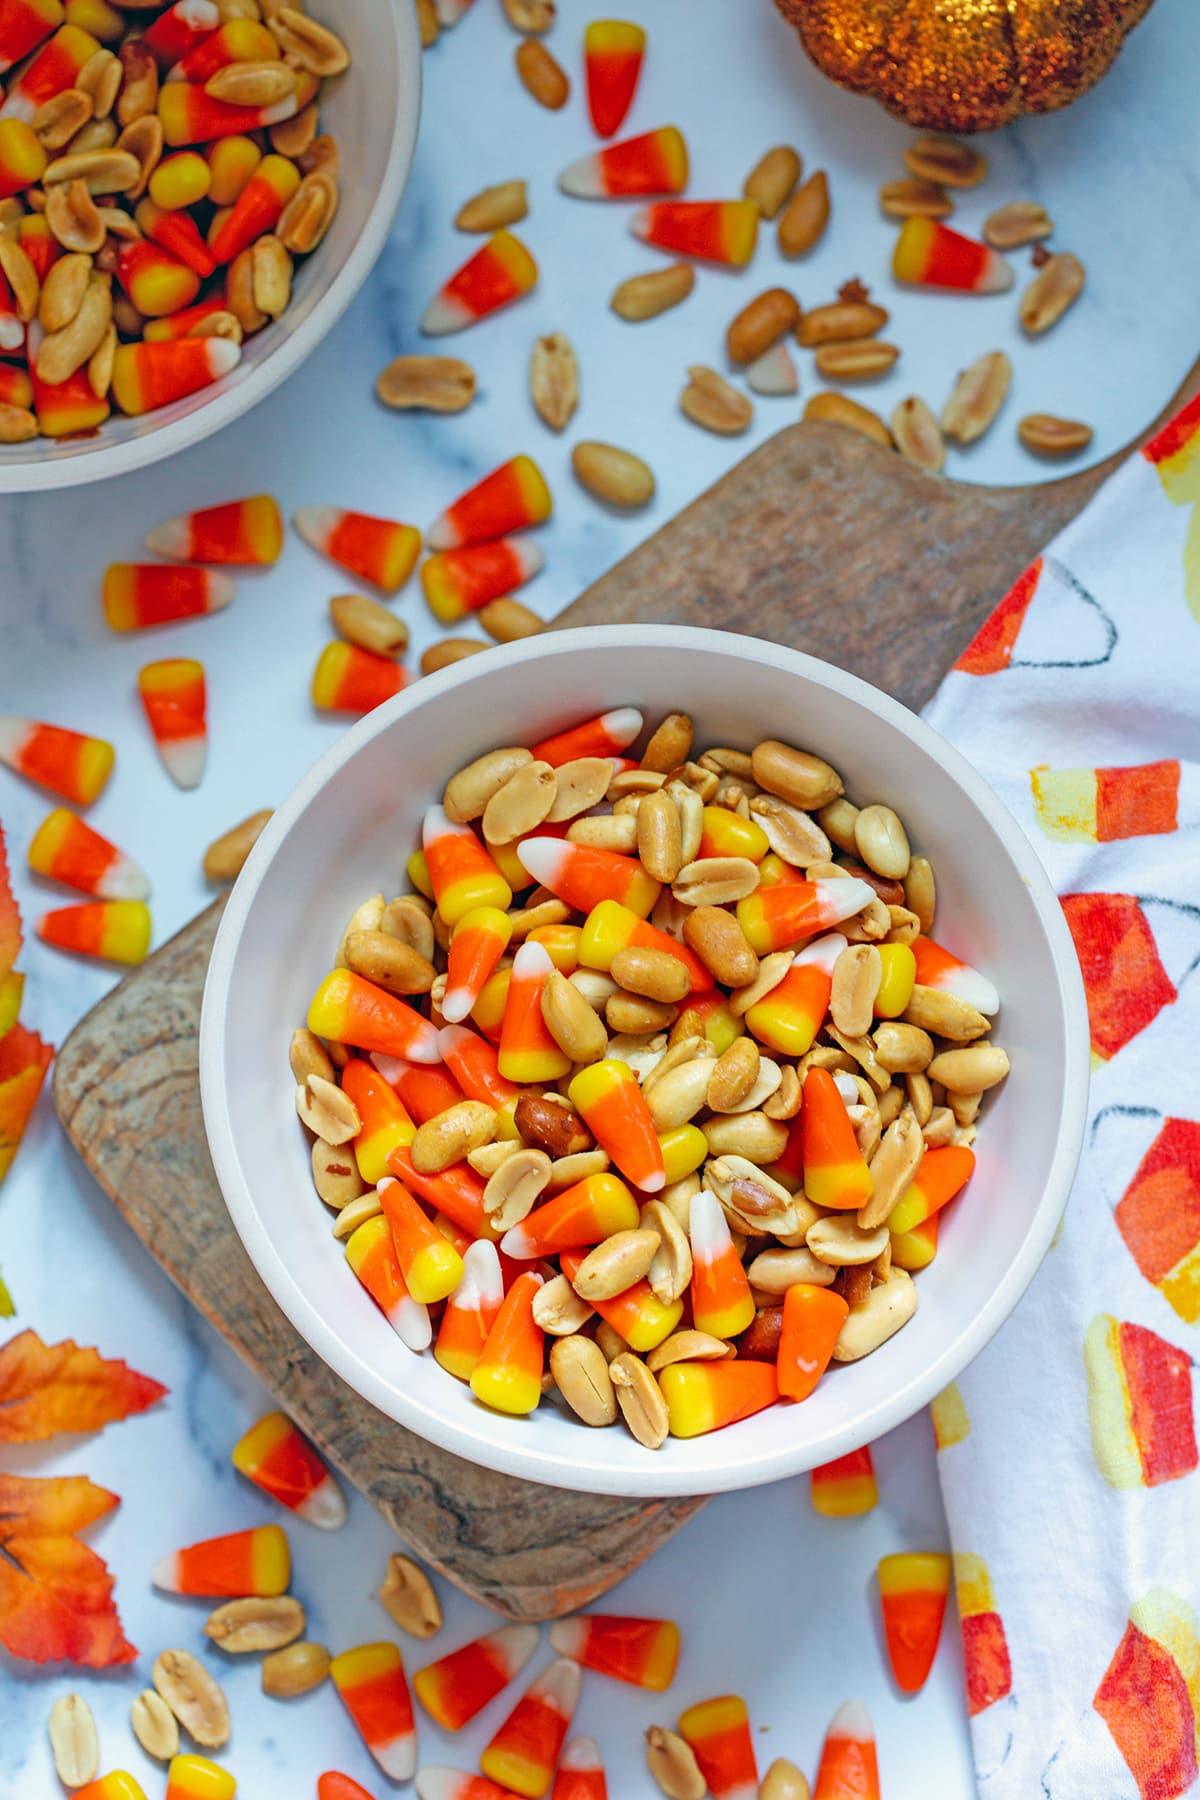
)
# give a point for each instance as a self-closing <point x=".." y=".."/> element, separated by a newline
<point x="65" y="849"/>
<point x="371" y="1254"/>
<point x="475" y="1066"/>
<point x="149" y="375"/>
<point x="378" y="550"/>
<point x="512" y="497"/>
<point x="197" y="1778"/>
<point x="254" y="1562"/>
<point x="929" y="254"/>
<point x="499" y="272"/>
<point x="469" y="1315"/>
<point x="580" y="1774"/>
<point x="654" y="163"/>
<point x="240" y="531"/>
<point x="643" y="1652"/>
<point x="913" y="1586"/>
<point x="613" y="51"/>
<point x="118" y="1785"/>
<point x="705" y="1396"/>
<point x="333" y="1785"/>
<point x="846" y="1487"/>
<point x="721" y="231"/>
<point x="353" y="1011"/>
<point x="274" y="1456"/>
<point x="371" y="1685"/>
<point x="174" y="697"/>
<point x="112" y="930"/>
<point x="611" y="1104"/>
<point x="350" y="679"/>
<point x="458" y="582"/>
<point x="606" y="735"/>
<point x="849" y="1769"/>
<point x="508" y="1374"/>
<point x="722" y="1303"/>
<point x="718" y="1732"/>
<point x="523" y="1753"/>
<point x="440" y="1783"/>
<point x="68" y="762"/>
<point x="459" y="1685"/>
<point x="137" y="595"/>
<point x="584" y="875"/>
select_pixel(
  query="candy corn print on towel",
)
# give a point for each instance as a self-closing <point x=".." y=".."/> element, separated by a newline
<point x="1067" y="1452"/>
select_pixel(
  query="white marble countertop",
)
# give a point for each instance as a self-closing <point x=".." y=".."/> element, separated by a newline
<point x="784" y="1612"/>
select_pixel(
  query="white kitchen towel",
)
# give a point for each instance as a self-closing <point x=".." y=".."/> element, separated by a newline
<point x="1067" y="1451"/>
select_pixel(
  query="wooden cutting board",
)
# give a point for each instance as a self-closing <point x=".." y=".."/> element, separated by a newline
<point x="821" y="540"/>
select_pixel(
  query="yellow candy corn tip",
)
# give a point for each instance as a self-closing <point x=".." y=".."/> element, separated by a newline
<point x="908" y="1570"/>
<point x="839" y="1185"/>
<point x="710" y="1717"/>
<point x="472" y="892"/>
<point x="272" y="1562"/>
<point x="371" y="1151"/>
<point x="364" y="1663"/>
<point x="655" y="1323"/>
<point x="514" y="1391"/>
<point x="729" y="1321"/>
<point x="417" y="870"/>
<point x="434" y="1272"/>
<point x="683" y="1150"/>
<point x="516" y="1773"/>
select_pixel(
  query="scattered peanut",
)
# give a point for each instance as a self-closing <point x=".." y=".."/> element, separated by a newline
<point x="1055" y="287"/>
<point x="154" y="1725"/>
<point x="1019" y="222"/>
<point x="427" y="383"/>
<point x="407" y="1596"/>
<point x="709" y="400"/>
<point x="918" y="436"/>
<point x="772" y="179"/>
<point x="838" y="410"/>
<point x="914" y="199"/>
<point x="494" y="207"/>
<point x="945" y="161"/>
<point x="73" y="1741"/>
<point x="803" y="220"/>
<point x="243" y="1626"/>
<point x="617" y="477"/>
<point x="296" y="1670"/>
<point x="554" y="380"/>
<point x="194" y="1697"/>
<point x="541" y="76"/>
<point x="645" y="296"/>
<point x="977" y="397"/>
<point x="1047" y="435"/>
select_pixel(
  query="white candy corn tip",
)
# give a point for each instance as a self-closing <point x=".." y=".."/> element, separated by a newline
<point x="641" y="224"/>
<point x="125" y="880"/>
<point x="452" y="1037"/>
<point x="584" y="178"/>
<point x="622" y="725"/>
<point x="530" y="556"/>
<point x="201" y="15"/>
<point x="436" y="825"/>
<point x="390" y="1067"/>
<point x="773" y="374"/>
<point x="443" y="1784"/>
<point x="409" y="1319"/>
<point x="184" y="760"/>
<point x="482" y="1281"/>
<point x="708" y="1228"/>
<point x="568" y="1636"/>
<point x="558" y="1687"/>
<point x="531" y="963"/>
<point x="841" y="896"/>
<point x="543" y="858"/>
<point x="398" y="1757"/>
<point x="582" y="1754"/>
<point x="325" y="1507"/>
<point x="971" y="987"/>
<point x="223" y="355"/>
<point x="165" y="1573"/>
<point x="449" y="12"/>
<point x="513" y="1644"/>
<point x="457" y="1003"/>
<point x="998" y="276"/>
<point x="19" y="106"/>
<point x="13" y="732"/>
<point x="172" y="538"/>
<point x="12" y="332"/>
<point x="445" y="314"/>
<point x="823" y="951"/>
<point x="852" y="1720"/>
<point x="317" y="524"/>
<point x="424" y="1046"/>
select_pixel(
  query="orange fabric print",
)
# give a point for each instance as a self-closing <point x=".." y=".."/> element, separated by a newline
<point x="1148" y="1695"/>
<point x="1175" y="453"/>
<point x="985" y="1646"/>
<point x="990" y="650"/>
<point x="1126" y="984"/>
<point x="1101" y="805"/>
<point x="1139" y="1404"/>
<point x="1158" y="1216"/>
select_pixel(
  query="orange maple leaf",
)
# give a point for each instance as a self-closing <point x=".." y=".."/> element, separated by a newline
<point x="56" y="1599"/>
<point x="24" y="1059"/>
<point x="46" y="1388"/>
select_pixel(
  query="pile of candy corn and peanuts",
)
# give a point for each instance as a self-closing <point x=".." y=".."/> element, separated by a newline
<point x="688" y="1110"/>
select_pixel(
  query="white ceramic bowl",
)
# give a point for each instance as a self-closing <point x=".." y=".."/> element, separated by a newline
<point x="346" y="832"/>
<point x="372" y="110"/>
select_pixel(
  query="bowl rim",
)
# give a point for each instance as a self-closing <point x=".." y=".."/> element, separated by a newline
<point x="46" y="473"/>
<point x="660" y="1479"/>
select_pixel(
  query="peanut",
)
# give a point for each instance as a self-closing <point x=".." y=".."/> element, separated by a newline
<point x="296" y="1670"/>
<point x="493" y="207"/>
<point x="877" y="1317"/>
<point x="751" y="1134"/>
<point x="882" y="842"/>
<point x="803" y="220"/>
<point x="554" y="382"/>
<point x="915" y="199"/>
<point x="945" y="161"/>
<point x="369" y="624"/>
<point x="427" y="384"/>
<point x="733" y="1075"/>
<point x="518" y="808"/>
<point x="761" y="323"/>
<point x="795" y="775"/>
<point x="772" y="179"/>
<point x="306" y="43"/>
<point x="645" y="296"/>
<point x="1047" y="435"/>
<point x="862" y="359"/>
<point x="1019" y="222"/>
<point x="558" y="1130"/>
<point x="715" y="880"/>
<point x="226" y="855"/>
<point x="244" y="1626"/>
<point x="670" y="1269"/>
<point x="571" y="1022"/>
<point x="944" y="1015"/>
<point x="507" y="620"/>
<point x="783" y="1781"/>
<point x="687" y="1346"/>
<point x="708" y="400"/>
<point x="722" y="946"/>
<point x="971" y="1070"/>
<point x="541" y="76"/>
<point x="920" y="893"/>
<point x="388" y="962"/>
<point x="857" y="974"/>
<point x="408" y="1597"/>
<point x="21" y="276"/>
<point x="669" y="744"/>
<point x="640" y="1399"/>
<point x="893" y="1166"/>
<point x="448" y="651"/>
<point x="194" y="1697"/>
<point x="918" y="436"/>
<point x="73" y="1741"/>
<point x="154" y="1725"/>
<point x="467" y="793"/>
<point x="335" y="1174"/>
<point x="1055" y="287"/>
<point x="659" y="836"/>
<point x="530" y="15"/>
<point x="977" y="397"/>
<point x="326" y="1110"/>
<point x="836" y="409"/>
<point x="558" y="1309"/>
<point x="581" y="1373"/>
<point x="672" y="1762"/>
<point x="655" y="973"/>
<point x="450" y="1134"/>
<point x="617" y="477"/>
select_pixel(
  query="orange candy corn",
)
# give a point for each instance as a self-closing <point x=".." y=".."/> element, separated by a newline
<point x="508" y="1374"/>
<point x="274" y="1456"/>
<point x="456" y="1191"/>
<point x="835" y="1174"/>
<point x="475" y="1066"/>
<point x="118" y="1785"/>
<point x="478" y="942"/>
<point x="65" y="849"/>
<point x="182" y="323"/>
<point x="637" y="1315"/>
<point x="499" y="272"/>
<point x="231" y="161"/>
<point x="66" y="408"/>
<point x="606" y="735"/>
<point x="524" y="1751"/>
<point x="138" y="595"/>
<point x="608" y="1099"/>
<point x="371" y="1254"/>
<point x="583" y="875"/>
<point x="257" y="208"/>
<point x="469" y="1315"/>
<point x="790" y="1016"/>
<point x="463" y="874"/>
<point x="915" y="1249"/>
<point x="196" y="1778"/>
<point x="846" y="1487"/>
<point x="174" y="697"/>
<point x="423" y="1090"/>
<point x="718" y="1732"/>
<point x="378" y="550"/>
<point x="943" y="1172"/>
<point x="240" y="531"/>
<point x="178" y="30"/>
<point x="179" y="243"/>
<point x="611" y="927"/>
<point x="23" y="25"/>
<point x="580" y="1773"/>
<point x="353" y="1011"/>
<point x="75" y="766"/>
<point x="55" y="67"/>
<point x="150" y="375"/>
<point x="458" y="582"/>
<point x="333" y="1785"/>
<point x="582" y="1215"/>
<point x="613" y="51"/>
<point x="348" y="678"/>
<point x="385" y="1124"/>
<point x="456" y="1687"/>
<point x="654" y="163"/>
<point x="431" y="1266"/>
<point x="937" y="968"/>
<point x="849" y="1769"/>
<point x="440" y="1783"/>
<point x="528" y="1053"/>
<point x="16" y="385"/>
<point x="22" y="158"/>
<point x="190" y="116"/>
<point x="913" y="1586"/>
<point x="157" y="282"/>
<point x="929" y="254"/>
<point x="722" y="1303"/>
<point x="812" y="1320"/>
<point x="775" y="917"/>
<point x="722" y="231"/>
<point x="371" y="1685"/>
<point x="705" y="1396"/>
<point x="254" y="1562"/>
<point x="113" y="930"/>
<point x="237" y="40"/>
<point x="643" y="1652"/>
<point x="510" y="498"/>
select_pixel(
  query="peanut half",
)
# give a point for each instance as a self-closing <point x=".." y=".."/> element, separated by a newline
<point x="1047" y="435"/>
<point x="73" y="1741"/>
<point x="977" y="397"/>
<point x="541" y="76"/>
<point x="154" y="1725"/>
<point x="761" y="323"/>
<point x="915" y="199"/>
<point x="1055" y="287"/>
<point x="946" y="161"/>
<point x="194" y="1697"/>
<point x="1019" y="222"/>
<point x="918" y="435"/>
<point x="493" y="207"/>
<point x="803" y="220"/>
<point x="836" y="409"/>
<point x="407" y="1596"/>
<point x="709" y="400"/>
<point x="427" y="383"/>
<point x="554" y="380"/>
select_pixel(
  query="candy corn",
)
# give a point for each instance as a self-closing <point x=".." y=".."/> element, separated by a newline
<point x="257" y="208"/>
<point x="353" y="1011"/>
<point x="458" y="1686"/>
<point x="469" y="1315"/>
<point x="478" y="942"/>
<point x="69" y="763"/>
<point x="523" y="1753"/>
<point x="610" y="1102"/>
<point x="463" y="874"/>
<point x="240" y="531"/>
<point x="371" y="1254"/>
<point x="512" y="497"/>
<point x="488" y="1011"/>
<point x="333" y="1785"/>
<point x="440" y="1783"/>
<point x="606" y="735"/>
<point x="705" y="1396"/>
<point x="583" y="875"/>
<point x="423" y="1090"/>
<point x="385" y="1124"/>
<point x="371" y="1685"/>
<point x="500" y="271"/>
<point x="508" y="1374"/>
<point x="718" y="1732"/>
<point x="23" y="25"/>
<point x="178" y="30"/>
<point x="458" y="582"/>
<point x="113" y="930"/>
<point x="580" y="1773"/>
<point x="274" y="1456"/>
<point x="582" y="1215"/>
<point x="726" y="833"/>
<point x="913" y="1587"/>
<point x="849" y="1769"/>
<point x="137" y="595"/>
<point x="722" y="231"/>
<point x="65" y="849"/>
<point x="231" y="161"/>
<point x="431" y="1266"/>
<point x="65" y="408"/>
<point x="655" y="163"/>
<point x="180" y="180"/>
<point x="254" y="1562"/>
<point x="173" y="695"/>
<point x="149" y="375"/>
<point x="812" y="1319"/>
<point x="722" y="1303"/>
<point x="938" y="968"/>
<point x="237" y="40"/>
<point x="835" y="1174"/>
<point x="456" y="1191"/>
<point x="350" y="679"/>
<point x="613" y="51"/>
<point x="929" y="254"/>
<point x="179" y="246"/>
<point x="475" y="1066"/>
<point x="157" y="282"/>
<point x="191" y="116"/>
<point x="528" y="1053"/>
<point x="377" y="550"/>
<point x="196" y="1778"/>
<point x="776" y="917"/>
<point x="897" y="980"/>
<point x="846" y="1487"/>
<point x="182" y="323"/>
<point x="16" y="386"/>
<point x="55" y="67"/>
<point x="917" y="1248"/>
<point x="611" y="927"/>
<point x="22" y="158"/>
<point x="943" y="1173"/>
<point x="118" y="1785"/>
<point x="790" y="1016"/>
<point x="643" y="1652"/>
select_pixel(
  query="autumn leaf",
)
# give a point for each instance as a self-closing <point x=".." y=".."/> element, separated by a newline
<point x="10" y="917"/>
<point x="24" y="1059"/>
<point x="46" y="1388"/>
<point x="56" y="1599"/>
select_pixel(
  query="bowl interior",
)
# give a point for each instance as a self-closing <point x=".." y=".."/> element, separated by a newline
<point x="346" y="833"/>
<point x="372" y="110"/>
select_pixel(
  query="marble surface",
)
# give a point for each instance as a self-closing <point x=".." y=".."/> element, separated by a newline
<point x="784" y="1612"/>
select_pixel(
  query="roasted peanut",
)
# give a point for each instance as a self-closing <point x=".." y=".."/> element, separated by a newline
<point x="803" y="220"/>
<point x="645" y="296"/>
<point x="296" y="1670"/>
<point x="541" y="76"/>
<point x="244" y="1626"/>
<point x="1047" y="435"/>
<point x="518" y="808"/>
<point x="493" y="207"/>
<point x="571" y="1022"/>
<point x="554" y="382"/>
<point x="194" y="1697"/>
<point x="655" y="973"/>
<point x="427" y="383"/>
<point x="558" y="1130"/>
<point x="918" y="435"/>
<point x="326" y="1110"/>
<point x="154" y="1725"/>
<point x="877" y="1317"/>
<point x="583" y="1378"/>
<point x="837" y="409"/>
<point x="408" y="1597"/>
<point x="761" y="323"/>
<point x="715" y="880"/>
<point x="558" y="1309"/>
<point x="915" y="199"/>
<point x="945" y="1015"/>
<point x="977" y="397"/>
<point x="73" y="1741"/>
<point x="772" y="179"/>
<point x="946" y="161"/>
<point x="1055" y="287"/>
<point x="507" y="619"/>
<point x="709" y="400"/>
<point x="640" y="1399"/>
<point x="840" y="322"/>
<point x="617" y="477"/>
<point x="672" y="1762"/>
<point x="1019" y="222"/>
<point x="971" y="1070"/>
<point x="447" y="1137"/>
<point x="920" y="893"/>
<point x="862" y="359"/>
<point x="722" y="946"/>
<point x="795" y="775"/>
